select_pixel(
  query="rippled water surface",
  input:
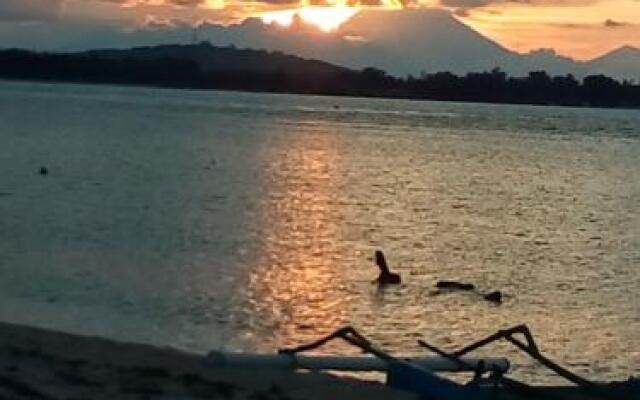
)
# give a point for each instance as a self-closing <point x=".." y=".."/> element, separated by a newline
<point x="247" y="221"/>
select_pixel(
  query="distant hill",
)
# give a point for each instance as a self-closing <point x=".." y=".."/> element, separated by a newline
<point x="215" y="59"/>
<point x="204" y="66"/>
<point x="189" y="66"/>
<point x="421" y="40"/>
<point x="623" y="62"/>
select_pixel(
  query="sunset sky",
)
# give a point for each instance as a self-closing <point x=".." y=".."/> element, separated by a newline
<point x="578" y="28"/>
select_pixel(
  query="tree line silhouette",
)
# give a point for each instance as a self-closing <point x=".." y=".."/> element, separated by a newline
<point x="208" y="67"/>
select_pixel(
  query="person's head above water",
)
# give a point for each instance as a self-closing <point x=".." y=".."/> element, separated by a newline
<point x="381" y="261"/>
<point x="386" y="277"/>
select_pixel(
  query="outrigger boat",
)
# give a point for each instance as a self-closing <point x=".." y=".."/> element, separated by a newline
<point x="419" y="375"/>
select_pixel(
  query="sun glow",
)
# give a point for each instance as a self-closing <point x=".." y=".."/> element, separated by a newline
<point x="327" y="18"/>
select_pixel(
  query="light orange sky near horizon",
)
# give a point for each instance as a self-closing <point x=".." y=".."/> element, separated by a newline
<point x="575" y="28"/>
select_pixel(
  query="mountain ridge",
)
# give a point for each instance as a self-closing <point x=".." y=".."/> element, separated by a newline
<point x="412" y="42"/>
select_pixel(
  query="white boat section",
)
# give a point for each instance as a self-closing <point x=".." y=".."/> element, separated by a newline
<point x="346" y="363"/>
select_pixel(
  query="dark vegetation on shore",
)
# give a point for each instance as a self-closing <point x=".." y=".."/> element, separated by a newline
<point x="204" y="66"/>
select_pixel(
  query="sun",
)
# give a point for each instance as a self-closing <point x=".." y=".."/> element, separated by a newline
<point x="327" y="18"/>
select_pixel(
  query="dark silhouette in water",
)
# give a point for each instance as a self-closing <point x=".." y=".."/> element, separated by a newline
<point x="386" y="277"/>
<point x="44" y="171"/>
<point x="455" y="285"/>
<point x="494" y="297"/>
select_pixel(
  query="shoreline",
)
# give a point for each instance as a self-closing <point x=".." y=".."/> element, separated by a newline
<point x="315" y="94"/>
<point x="44" y="364"/>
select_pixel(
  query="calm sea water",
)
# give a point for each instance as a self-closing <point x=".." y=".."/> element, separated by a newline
<point x="208" y="220"/>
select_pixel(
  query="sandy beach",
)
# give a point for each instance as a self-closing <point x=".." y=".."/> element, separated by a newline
<point x="43" y="364"/>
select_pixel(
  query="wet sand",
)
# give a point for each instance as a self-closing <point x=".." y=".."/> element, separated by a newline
<point x="42" y="364"/>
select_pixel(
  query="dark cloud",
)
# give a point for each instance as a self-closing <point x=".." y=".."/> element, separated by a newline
<point x="351" y="3"/>
<point x="608" y="24"/>
<point x="186" y="3"/>
<point x="466" y="3"/>
<point x="481" y="3"/>
<point x="462" y="12"/>
<point x="371" y="3"/>
<point x="195" y="3"/>
<point x="380" y="3"/>
<point x="179" y="3"/>
<point x="29" y="10"/>
<point x="614" y="24"/>
<point x="462" y="8"/>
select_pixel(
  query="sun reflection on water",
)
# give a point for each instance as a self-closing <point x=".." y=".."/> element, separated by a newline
<point x="296" y="289"/>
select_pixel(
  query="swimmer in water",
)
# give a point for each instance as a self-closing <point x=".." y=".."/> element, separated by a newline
<point x="386" y="277"/>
